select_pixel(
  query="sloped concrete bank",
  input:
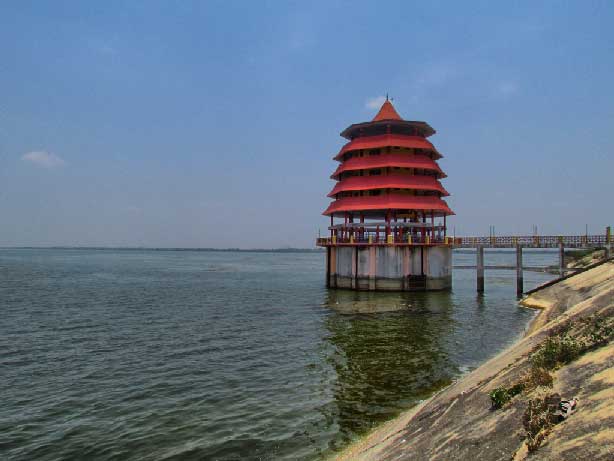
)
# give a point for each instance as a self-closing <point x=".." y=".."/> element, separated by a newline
<point x="572" y="340"/>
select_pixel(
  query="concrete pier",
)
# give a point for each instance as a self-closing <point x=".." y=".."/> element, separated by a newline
<point x="480" y="268"/>
<point x="519" y="277"/>
<point x="389" y="267"/>
<point x="561" y="259"/>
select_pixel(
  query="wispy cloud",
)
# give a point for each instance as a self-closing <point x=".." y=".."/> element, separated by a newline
<point x="506" y="88"/>
<point x="436" y="74"/>
<point x="42" y="159"/>
<point x="106" y="46"/>
<point x="107" y="49"/>
<point x="430" y="80"/>
<point x="375" y="103"/>
<point x="131" y="209"/>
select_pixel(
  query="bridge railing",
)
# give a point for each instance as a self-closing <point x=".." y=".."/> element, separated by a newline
<point x="534" y="241"/>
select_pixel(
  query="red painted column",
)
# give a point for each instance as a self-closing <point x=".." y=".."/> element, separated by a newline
<point x="396" y="228"/>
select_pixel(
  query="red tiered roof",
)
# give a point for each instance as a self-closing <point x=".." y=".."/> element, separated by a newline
<point x="390" y="202"/>
<point x="392" y="181"/>
<point x="387" y="112"/>
<point x="388" y="140"/>
<point x="423" y="177"/>
<point x="389" y="160"/>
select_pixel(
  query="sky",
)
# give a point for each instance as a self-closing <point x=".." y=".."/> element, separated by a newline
<point x="214" y="124"/>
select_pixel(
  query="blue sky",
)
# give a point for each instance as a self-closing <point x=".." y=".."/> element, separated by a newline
<point x="213" y="124"/>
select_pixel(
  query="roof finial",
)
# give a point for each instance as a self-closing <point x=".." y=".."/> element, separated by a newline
<point x="387" y="111"/>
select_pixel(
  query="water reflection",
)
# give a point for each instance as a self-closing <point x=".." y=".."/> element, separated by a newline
<point x="386" y="362"/>
<point x="480" y="302"/>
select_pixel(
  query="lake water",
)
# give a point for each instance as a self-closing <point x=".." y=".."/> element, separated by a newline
<point x="149" y="355"/>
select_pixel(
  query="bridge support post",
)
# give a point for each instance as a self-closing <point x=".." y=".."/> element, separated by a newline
<point x="561" y="259"/>
<point x="519" y="278"/>
<point x="480" y="268"/>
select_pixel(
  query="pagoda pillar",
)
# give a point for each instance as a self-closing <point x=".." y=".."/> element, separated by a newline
<point x="362" y="229"/>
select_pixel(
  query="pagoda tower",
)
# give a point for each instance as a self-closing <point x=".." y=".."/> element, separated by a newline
<point x="388" y="217"/>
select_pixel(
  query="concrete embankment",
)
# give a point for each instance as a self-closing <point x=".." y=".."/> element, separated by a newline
<point x="568" y="352"/>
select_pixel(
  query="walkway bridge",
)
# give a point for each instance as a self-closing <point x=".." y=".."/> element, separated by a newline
<point x="535" y="241"/>
<point x="532" y="241"/>
<point x="359" y="234"/>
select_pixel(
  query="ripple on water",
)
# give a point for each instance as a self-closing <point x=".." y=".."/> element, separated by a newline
<point x="184" y="355"/>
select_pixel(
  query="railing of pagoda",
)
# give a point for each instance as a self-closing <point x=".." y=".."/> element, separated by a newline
<point x="382" y="239"/>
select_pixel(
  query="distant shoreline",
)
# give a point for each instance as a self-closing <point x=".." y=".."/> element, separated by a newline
<point x="235" y="250"/>
<point x="240" y="250"/>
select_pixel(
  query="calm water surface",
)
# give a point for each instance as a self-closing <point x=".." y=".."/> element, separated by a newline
<point x="141" y="354"/>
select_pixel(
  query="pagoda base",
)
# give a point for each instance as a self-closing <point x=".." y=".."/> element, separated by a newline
<point x="389" y="268"/>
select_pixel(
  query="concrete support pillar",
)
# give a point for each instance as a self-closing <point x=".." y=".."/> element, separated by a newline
<point x="561" y="259"/>
<point x="328" y="267"/>
<point x="480" y="268"/>
<point x="519" y="278"/>
<point x="407" y="261"/>
<point x="333" y="267"/>
<point x="406" y="265"/>
<point x="355" y="268"/>
<point x="372" y="267"/>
